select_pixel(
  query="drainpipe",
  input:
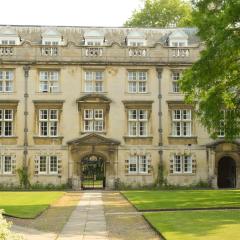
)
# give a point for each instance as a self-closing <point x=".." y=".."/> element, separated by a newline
<point x="26" y="96"/>
<point x="160" y="130"/>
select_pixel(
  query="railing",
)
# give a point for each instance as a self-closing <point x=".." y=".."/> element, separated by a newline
<point x="49" y="51"/>
<point x="94" y="52"/>
<point x="137" y="52"/>
<point x="6" y="51"/>
<point x="180" y="52"/>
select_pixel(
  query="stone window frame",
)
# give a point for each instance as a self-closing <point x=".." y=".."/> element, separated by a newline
<point x="12" y="164"/>
<point x="175" y="80"/>
<point x="94" y="119"/>
<point x="49" y="81"/>
<point x="94" y="101"/>
<point x="50" y="105"/>
<point x="181" y="105"/>
<point x="94" y="80"/>
<point x="48" y="158"/>
<point x="137" y="81"/>
<point x="5" y="80"/>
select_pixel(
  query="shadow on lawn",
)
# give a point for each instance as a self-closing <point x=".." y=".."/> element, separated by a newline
<point x="196" y="223"/>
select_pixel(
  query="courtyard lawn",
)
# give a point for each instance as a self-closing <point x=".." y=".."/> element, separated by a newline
<point x="27" y="204"/>
<point x="146" y="200"/>
<point x="197" y="225"/>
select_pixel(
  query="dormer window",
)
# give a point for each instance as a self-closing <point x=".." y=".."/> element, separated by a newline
<point x="8" y="36"/>
<point x="94" y="38"/>
<point x="136" y="39"/>
<point x="51" y="37"/>
<point x="178" y="38"/>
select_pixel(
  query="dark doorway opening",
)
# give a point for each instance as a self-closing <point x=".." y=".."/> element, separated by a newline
<point x="93" y="172"/>
<point x="226" y="173"/>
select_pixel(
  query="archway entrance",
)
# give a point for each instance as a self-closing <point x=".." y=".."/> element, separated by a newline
<point x="226" y="173"/>
<point x="92" y="172"/>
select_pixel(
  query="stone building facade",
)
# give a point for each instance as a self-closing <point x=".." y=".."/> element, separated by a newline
<point x="102" y="106"/>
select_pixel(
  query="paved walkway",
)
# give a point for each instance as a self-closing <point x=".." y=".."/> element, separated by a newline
<point x="87" y="221"/>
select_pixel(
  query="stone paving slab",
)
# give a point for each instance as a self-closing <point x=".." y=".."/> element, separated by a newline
<point x="87" y="221"/>
<point x="32" y="234"/>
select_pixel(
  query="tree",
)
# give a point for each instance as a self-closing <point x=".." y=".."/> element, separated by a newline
<point x="161" y="13"/>
<point x="214" y="80"/>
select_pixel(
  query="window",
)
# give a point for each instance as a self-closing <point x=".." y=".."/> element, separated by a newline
<point x="137" y="122"/>
<point x="93" y="120"/>
<point x="181" y="123"/>
<point x="93" y="43"/>
<point x="175" y="82"/>
<point x="6" y="122"/>
<point x="93" y="81"/>
<point x="47" y="42"/>
<point x="138" y="164"/>
<point x="49" y="81"/>
<point x="53" y="165"/>
<point x="47" y="165"/>
<point x="6" y="80"/>
<point x="7" y="164"/>
<point x="48" y="122"/>
<point x="43" y="165"/>
<point x="182" y="164"/>
<point x="136" y="43"/>
<point x="8" y="42"/>
<point x="178" y="43"/>
<point x="137" y="82"/>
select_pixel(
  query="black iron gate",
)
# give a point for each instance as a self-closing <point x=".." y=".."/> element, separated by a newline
<point x="92" y="176"/>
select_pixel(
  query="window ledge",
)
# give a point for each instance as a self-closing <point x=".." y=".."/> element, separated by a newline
<point x="182" y="174"/>
<point x="103" y="132"/>
<point x="49" y="93"/>
<point x="137" y="93"/>
<point x="138" y="137"/>
<point x="8" y="175"/>
<point x="183" y="137"/>
<point x="8" y="137"/>
<point x="46" y="174"/>
<point x="176" y="93"/>
<point x="83" y="92"/>
<point x="49" y="137"/>
<point x="138" y="174"/>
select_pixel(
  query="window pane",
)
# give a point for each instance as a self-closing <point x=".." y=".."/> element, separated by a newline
<point x="89" y="76"/>
<point x="132" y="114"/>
<point x="175" y="76"/>
<point x="53" y="128"/>
<point x="186" y="129"/>
<point x="132" y="76"/>
<point x="9" y="86"/>
<point x="43" y="164"/>
<point x="187" y="164"/>
<point x="99" y="87"/>
<point x="176" y="87"/>
<point x="177" y="164"/>
<point x="186" y="114"/>
<point x="142" y="164"/>
<point x="98" y="114"/>
<point x="88" y="114"/>
<point x="142" y="87"/>
<point x="43" y="128"/>
<point x="53" y="114"/>
<point x="177" y="115"/>
<point x="43" y="75"/>
<point x="176" y="129"/>
<point x="7" y="164"/>
<point x="8" y="114"/>
<point x="133" y="164"/>
<point x="43" y="114"/>
<point x="88" y="125"/>
<point x="99" y="76"/>
<point x="142" y="76"/>
<point x="142" y="128"/>
<point x="132" y="87"/>
<point x="8" y="131"/>
<point x="98" y="126"/>
<point x="143" y="114"/>
<point x="53" y="164"/>
<point x="132" y="128"/>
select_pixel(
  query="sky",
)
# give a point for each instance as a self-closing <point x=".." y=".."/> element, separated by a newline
<point x="112" y="13"/>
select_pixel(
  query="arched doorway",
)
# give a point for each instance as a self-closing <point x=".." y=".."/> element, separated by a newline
<point x="93" y="172"/>
<point x="226" y="173"/>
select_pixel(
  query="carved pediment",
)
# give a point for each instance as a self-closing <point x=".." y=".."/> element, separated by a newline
<point x="221" y="143"/>
<point x="96" y="98"/>
<point x="93" y="139"/>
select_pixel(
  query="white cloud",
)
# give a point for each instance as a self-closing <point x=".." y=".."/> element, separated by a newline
<point x="70" y="12"/>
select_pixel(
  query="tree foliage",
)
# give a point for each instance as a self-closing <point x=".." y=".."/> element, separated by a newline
<point x="214" y="80"/>
<point x="161" y="13"/>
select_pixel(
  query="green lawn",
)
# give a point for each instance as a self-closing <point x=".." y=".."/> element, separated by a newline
<point x="145" y="200"/>
<point x="197" y="225"/>
<point x="27" y="204"/>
